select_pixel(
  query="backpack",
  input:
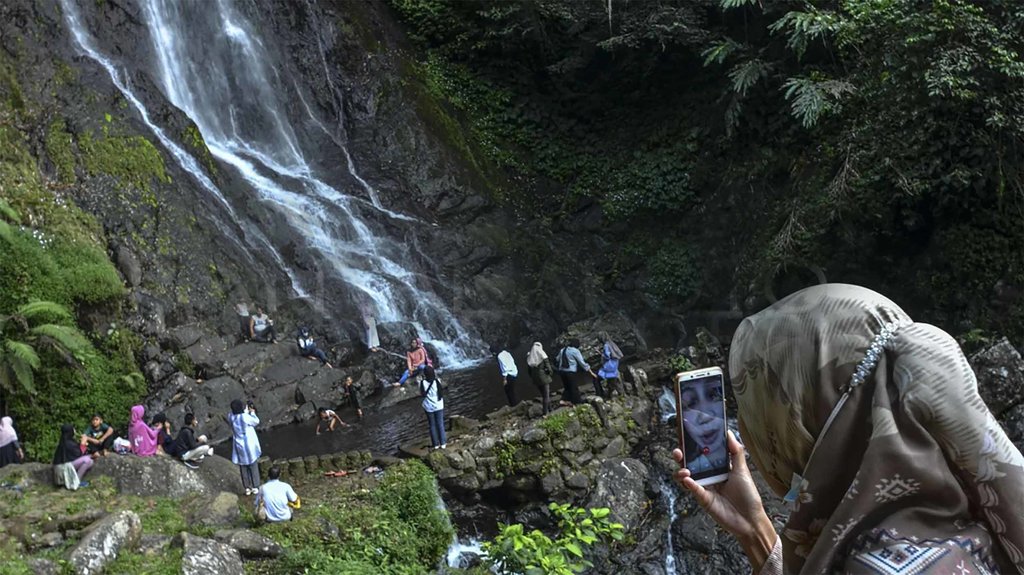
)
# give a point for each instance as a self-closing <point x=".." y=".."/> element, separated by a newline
<point x="562" y="365"/>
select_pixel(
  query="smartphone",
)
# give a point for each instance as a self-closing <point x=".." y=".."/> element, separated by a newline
<point x="700" y="417"/>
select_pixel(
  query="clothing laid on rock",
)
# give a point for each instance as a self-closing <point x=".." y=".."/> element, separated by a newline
<point x="243" y="319"/>
<point x="930" y="483"/>
<point x="70" y="464"/>
<point x="433" y="405"/>
<point x="540" y="369"/>
<point x="142" y="437"/>
<point x="274" y="496"/>
<point x="372" y="339"/>
<point x="245" y="446"/>
<point x="10" y="449"/>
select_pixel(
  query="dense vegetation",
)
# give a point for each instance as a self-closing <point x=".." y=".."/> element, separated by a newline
<point x="55" y="271"/>
<point x="740" y="146"/>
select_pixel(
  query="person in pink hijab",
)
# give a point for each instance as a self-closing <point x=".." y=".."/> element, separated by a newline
<point x="142" y="437"/>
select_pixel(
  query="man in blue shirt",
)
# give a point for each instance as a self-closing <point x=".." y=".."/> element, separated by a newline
<point x="509" y="372"/>
<point x="277" y="498"/>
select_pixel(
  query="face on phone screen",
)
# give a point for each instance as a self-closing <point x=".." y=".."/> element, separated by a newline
<point x="703" y="410"/>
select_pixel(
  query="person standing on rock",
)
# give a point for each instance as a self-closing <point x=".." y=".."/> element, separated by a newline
<point x="144" y="439"/>
<point x="261" y="327"/>
<point x="244" y="320"/>
<point x="245" y="447"/>
<point x="10" y="449"/>
<point x="509" y="372"/>
<point x="433" y="405"/>
<point x="609" y="372"/>
<point x="352" y="395"/>
<point x="416" y="359"/>
<point x="276" y="499"/>
<point x="70" y="462"/>
<point x="571" y="367"/>
<point x="540" y="369"/>
<point x="308" y="348"/>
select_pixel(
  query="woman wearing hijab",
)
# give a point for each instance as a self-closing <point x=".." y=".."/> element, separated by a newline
<point x="10" y="449"/>
<point x="540" y="373"/>
<point x="70" y="463"/>
<point x="246" y="446"/>
<point x="609" y="372"/>
<point x="872" y="427"/>
<point x="144" y="439"/>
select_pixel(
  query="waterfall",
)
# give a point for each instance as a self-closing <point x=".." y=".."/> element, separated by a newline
<point x="459" y="550"/>
<point x="211" y="65"/>
<point x="668" y="496"/>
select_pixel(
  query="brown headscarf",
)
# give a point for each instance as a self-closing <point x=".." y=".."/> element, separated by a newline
<point x="914" y="475"/>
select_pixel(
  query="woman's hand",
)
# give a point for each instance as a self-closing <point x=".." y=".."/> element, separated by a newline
<point x="735" y="504"/>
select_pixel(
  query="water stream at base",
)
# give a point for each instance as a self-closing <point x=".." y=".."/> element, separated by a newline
<point x="212" y="66"/>
<point x="668" y="498"/>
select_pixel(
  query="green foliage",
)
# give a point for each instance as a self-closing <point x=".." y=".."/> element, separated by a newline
<point x="679" y="363"/>
<point x="399" y="527"/>
<point x="508" y="460"/>
<point x="25" y="335"/>
<point x="534" y="553"/>
<point x="133" y="160"/>
<point x="674" y="273"/>
<point x="167" y="563"/>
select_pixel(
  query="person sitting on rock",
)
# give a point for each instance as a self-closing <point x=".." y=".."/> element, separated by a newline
<point x="276" y="499"/>
<point x="308" y="348"/>
<point x="352" y="395"/>
<point x="329" y="415"/>
<point x="164" y="437"/>
<point x="70" y="462"/>
<point x="261" y="327"/>
<point x="509" y="372"/>
<point x="98" y="437"/>
<point x="142" y="437"/>
<point x="416" y="359"/>
<point x="189" y="448"/>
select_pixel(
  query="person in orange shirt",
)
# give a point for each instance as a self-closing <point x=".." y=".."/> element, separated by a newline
<point x="416" y="359"/>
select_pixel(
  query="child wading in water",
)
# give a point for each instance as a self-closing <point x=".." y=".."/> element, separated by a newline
<point x="328" y="415"/>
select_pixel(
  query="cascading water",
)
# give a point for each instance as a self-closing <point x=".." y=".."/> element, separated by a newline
<point x="668" y="498"/>
<point x="211" y="65"/>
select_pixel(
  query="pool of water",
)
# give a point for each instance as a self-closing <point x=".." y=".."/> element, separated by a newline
<point x="471" y="392"/>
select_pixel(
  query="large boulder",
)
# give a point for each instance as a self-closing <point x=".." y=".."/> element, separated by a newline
<point x="163" y="476"/>
<point x="1000" y="372"/>
<point x="620" y="487"/>
<point x="27" y="474"/>
<point x="250" y="544"/>
<point x="215" y="510"/>
<point x="204" y="556"/>
<point x="620" y="328"/>
<point x="104" y="540"/>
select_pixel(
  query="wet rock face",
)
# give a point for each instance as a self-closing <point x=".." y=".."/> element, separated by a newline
<point x="1000" y="372"/>
<point x="620" y="486"/>
<point x="203" y="556"/>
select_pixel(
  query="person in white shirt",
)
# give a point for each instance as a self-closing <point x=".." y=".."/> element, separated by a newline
<point x="330" y="417"/>
<point x="276" y="498"/>
<point x="433" y="405"/>
<point x="509" y="372"/>
<point x="261" y="327"/>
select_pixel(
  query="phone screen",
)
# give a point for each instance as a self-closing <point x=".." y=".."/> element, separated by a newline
<point x="701" y="414"/>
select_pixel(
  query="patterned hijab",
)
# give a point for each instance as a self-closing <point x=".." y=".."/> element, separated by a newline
<point x="913" y="475"/>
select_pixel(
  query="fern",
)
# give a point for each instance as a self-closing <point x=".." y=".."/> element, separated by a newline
<point x="67" y="337"/>
<point x="810" y="99"/>
<point x="745" y="74"/>
<point x="6" y="232"/>
<point x="719" y="51"/>
<point x="44" y="311"/>
<point x="20" y="360"/>
<point x="801" y="28"/>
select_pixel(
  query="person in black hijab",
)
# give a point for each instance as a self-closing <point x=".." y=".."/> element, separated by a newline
<point x="70" y="464"/>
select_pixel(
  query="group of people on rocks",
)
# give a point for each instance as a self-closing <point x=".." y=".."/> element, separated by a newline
<point x="571" y="368"/>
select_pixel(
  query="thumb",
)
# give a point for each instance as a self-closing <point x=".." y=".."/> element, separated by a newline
<point x="737" y="452"/>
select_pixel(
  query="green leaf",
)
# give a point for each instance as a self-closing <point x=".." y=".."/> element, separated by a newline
<point x="745" y="74"/>
<point x="68" y="337"/>
<point x="48" y="311"/>
<point x="8" y="213"/>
